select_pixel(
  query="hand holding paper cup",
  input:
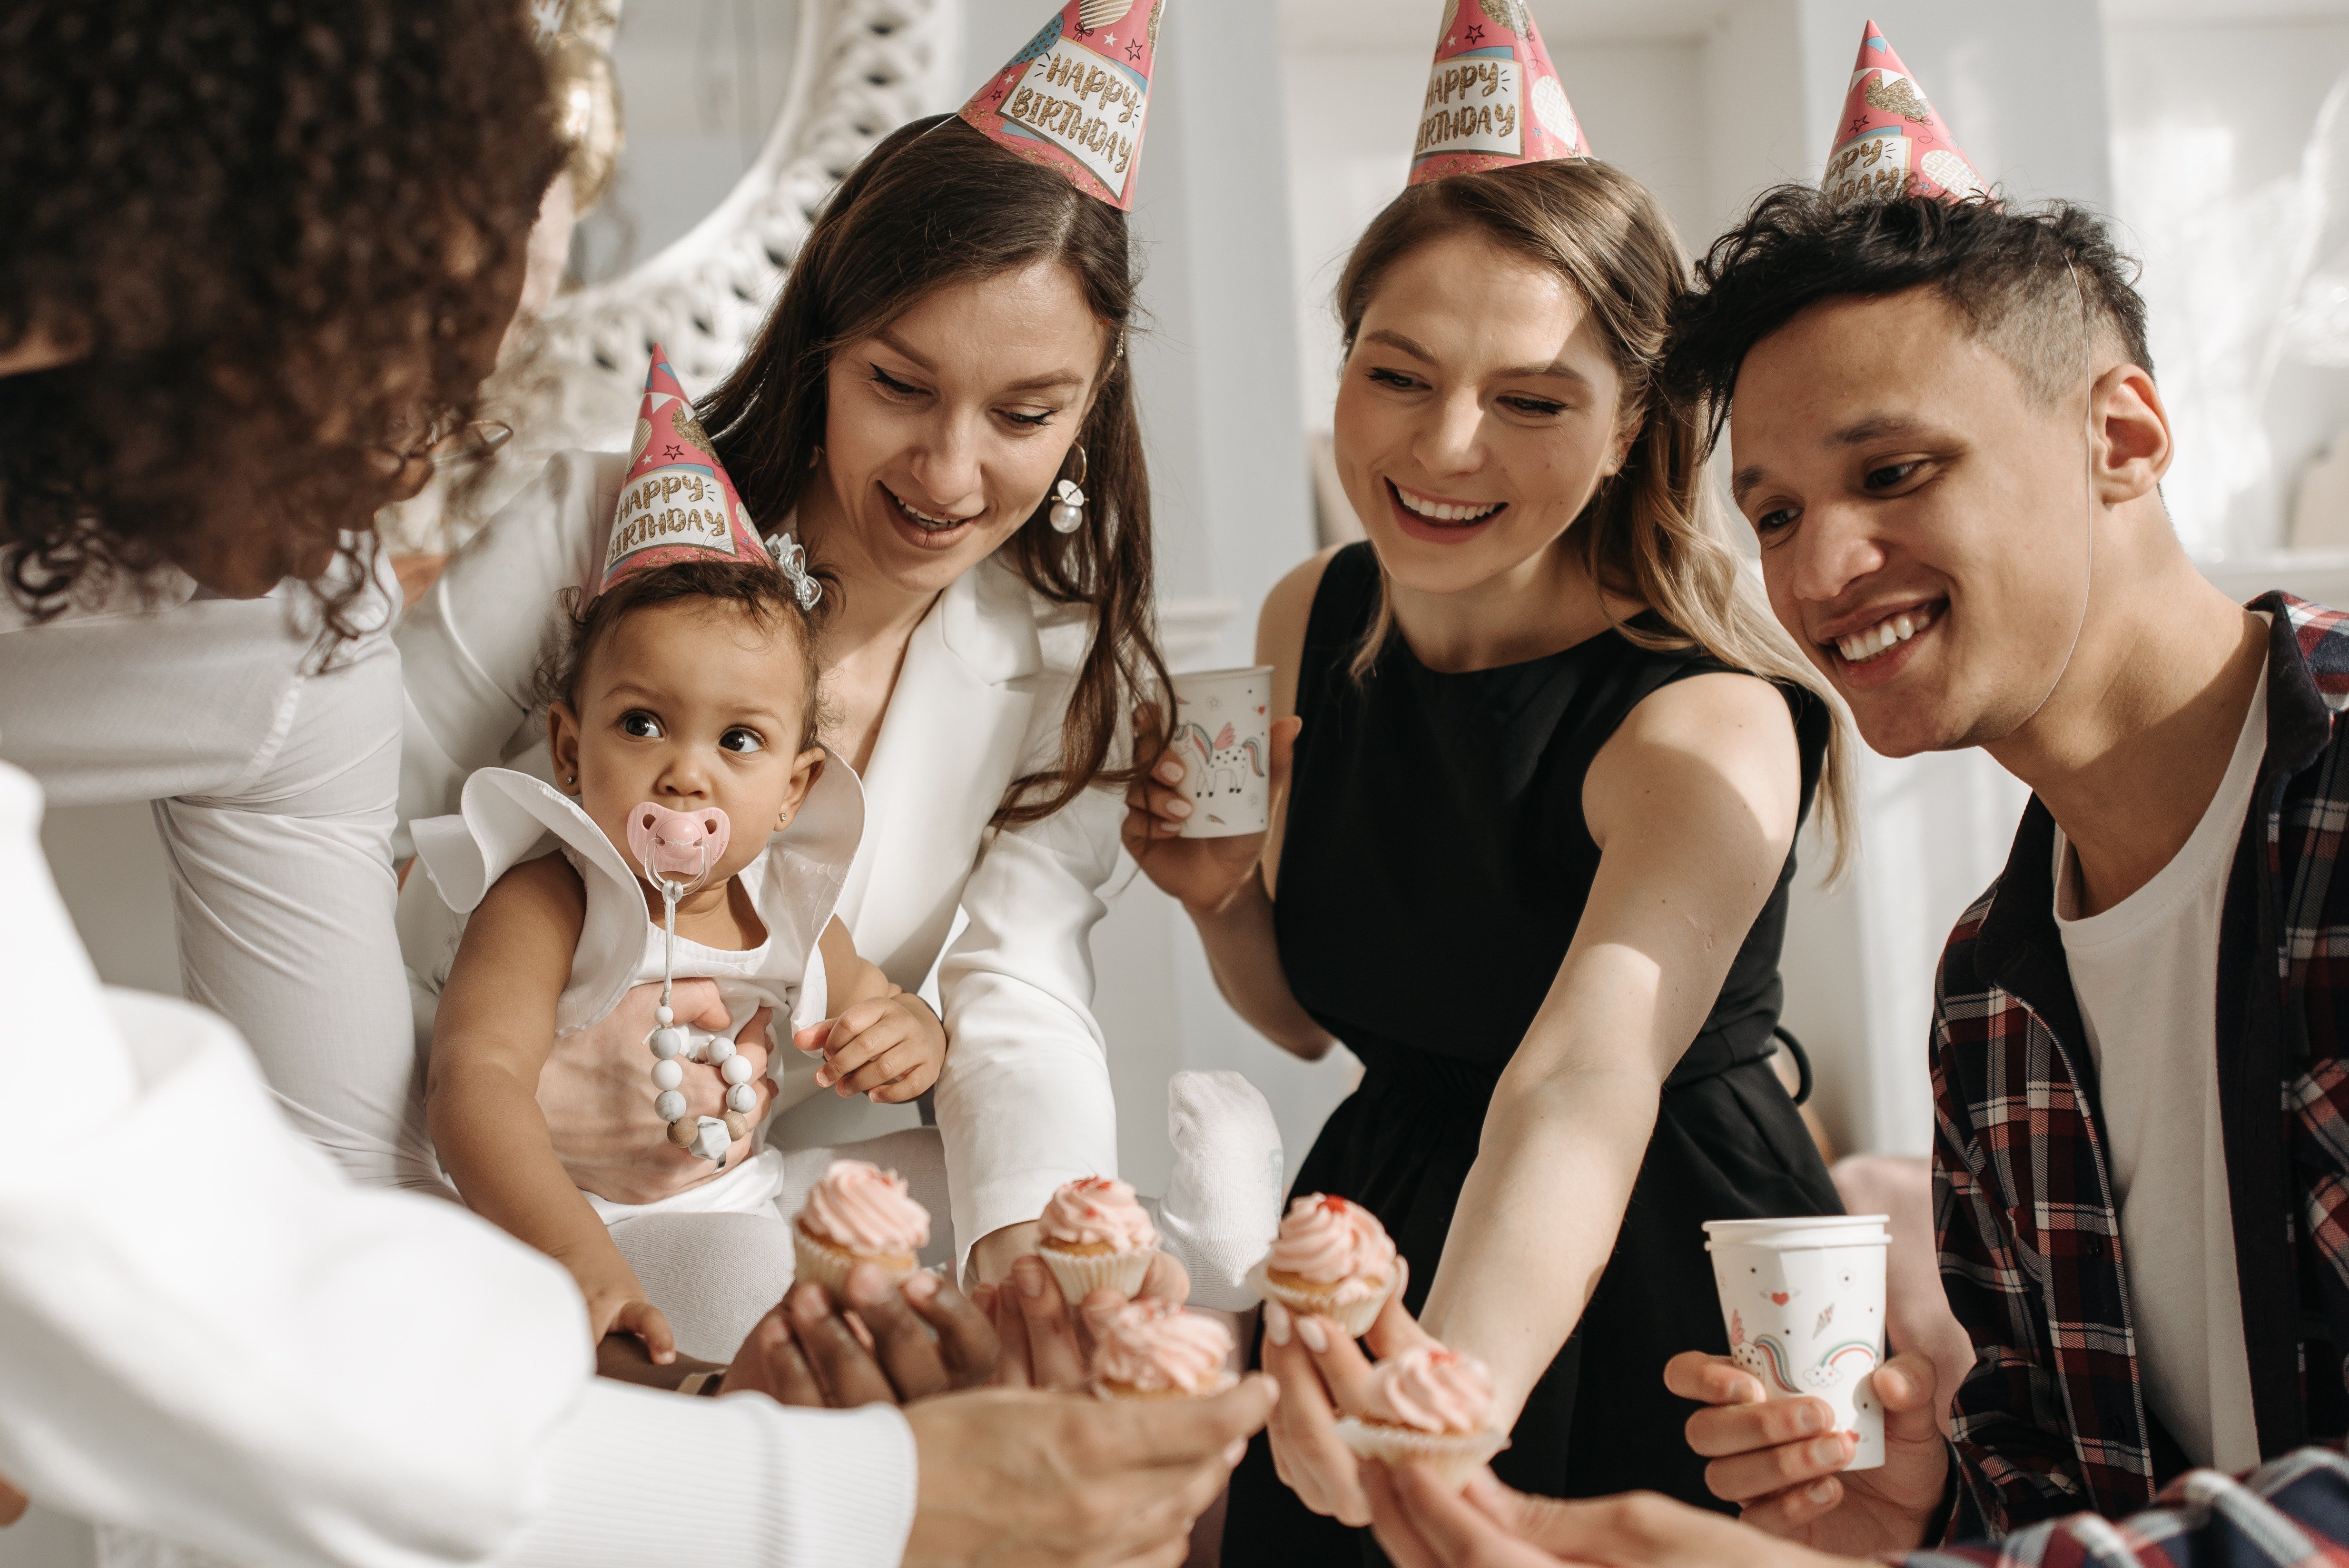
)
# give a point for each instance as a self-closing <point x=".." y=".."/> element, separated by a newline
<point x="1223" y="738"/>
<point x="1802" y="1298"/>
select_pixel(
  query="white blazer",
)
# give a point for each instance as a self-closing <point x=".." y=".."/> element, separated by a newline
<point x="1024" y="1103"/>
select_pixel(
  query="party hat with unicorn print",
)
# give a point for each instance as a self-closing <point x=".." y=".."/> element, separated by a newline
<point x="1076" y="98"/>
<point x="1890" y="142"/>
<point x="1493" y="96"/>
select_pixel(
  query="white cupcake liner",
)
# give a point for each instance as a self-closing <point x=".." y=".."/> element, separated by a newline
<point x="1082" y="1274"/>
<point x="1453" y="1455"/>
<point x="821" y="1263"/>
<point x="1354" y="1317"/>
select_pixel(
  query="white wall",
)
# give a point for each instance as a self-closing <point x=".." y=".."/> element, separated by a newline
<point x="2211" y="122"/>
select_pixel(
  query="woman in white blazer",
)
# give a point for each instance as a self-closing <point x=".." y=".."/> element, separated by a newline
<point x="949" y="348"/>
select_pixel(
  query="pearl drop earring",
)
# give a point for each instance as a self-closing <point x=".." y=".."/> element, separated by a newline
<point x="1069" y="511"/>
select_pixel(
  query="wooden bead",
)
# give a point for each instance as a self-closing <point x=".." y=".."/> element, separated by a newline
<point x="738" y="1125"/>
<point x="682" y="1131"/>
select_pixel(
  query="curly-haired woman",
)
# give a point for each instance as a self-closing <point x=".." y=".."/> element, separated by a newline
<point x="274" y="250"/>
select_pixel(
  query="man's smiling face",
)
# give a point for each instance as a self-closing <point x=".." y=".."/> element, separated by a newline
<point x="1923" y="519"/>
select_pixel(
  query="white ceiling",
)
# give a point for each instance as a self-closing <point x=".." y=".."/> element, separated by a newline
<point x="1350" y="26"/>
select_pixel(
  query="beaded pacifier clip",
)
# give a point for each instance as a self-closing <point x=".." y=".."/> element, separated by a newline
<point x="677" y="850"/>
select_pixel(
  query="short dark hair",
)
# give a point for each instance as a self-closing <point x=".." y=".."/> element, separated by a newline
<point x="754" y="590"/>
<point x="2009" y="272"/>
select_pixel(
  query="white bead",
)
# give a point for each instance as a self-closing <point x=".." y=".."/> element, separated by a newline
<point x="736" y="1070"/>
<point x="667" y="1043"/>
<point x="1066" y="518"/>
<point x="741" y="1098"/>
<point x="721" y="1049"/>
<point x="668" y="1105"/>
<point x="668" y="1075"/>
<point x="662" y="1016"/>
<point x="711" y="1142"/>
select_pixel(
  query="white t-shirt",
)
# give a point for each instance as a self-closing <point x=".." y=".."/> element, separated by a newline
<point x="2146" y="972"/>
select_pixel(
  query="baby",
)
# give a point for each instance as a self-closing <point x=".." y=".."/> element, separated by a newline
<point x="700" y="835"/>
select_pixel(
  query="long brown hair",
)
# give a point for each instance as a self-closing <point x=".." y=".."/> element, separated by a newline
<point x="1654" y="531"/>
<point x="938" y="203"/>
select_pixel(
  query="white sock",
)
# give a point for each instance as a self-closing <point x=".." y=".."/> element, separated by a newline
<point x="1222" y="1206"/>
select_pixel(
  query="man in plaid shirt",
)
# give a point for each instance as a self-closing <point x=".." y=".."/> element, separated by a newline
<point x="1949" y="443"/>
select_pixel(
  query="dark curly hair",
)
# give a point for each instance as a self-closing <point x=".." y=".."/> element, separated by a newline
<point x="283" y="239"/>
<point x="754" y="591"/>
<point x="2020" y="278"/>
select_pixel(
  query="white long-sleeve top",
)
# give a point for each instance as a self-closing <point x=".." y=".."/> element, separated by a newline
<point x="1024" y="1102"/>
<point x="207" y="1334"/>
<point x="274" y="780"/>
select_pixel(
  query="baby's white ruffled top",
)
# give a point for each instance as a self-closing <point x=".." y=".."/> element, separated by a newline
<point x="506" y="818"/>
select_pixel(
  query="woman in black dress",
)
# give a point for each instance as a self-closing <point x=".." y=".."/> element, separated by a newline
<point x="1533" y="863"/>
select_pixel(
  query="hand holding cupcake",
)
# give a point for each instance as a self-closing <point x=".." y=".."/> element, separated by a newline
<point x="858" y="1213"/>
<point x="1333" y="1259"/>
<point x="1094" y="1236"/>
<point x="1155" y="1350"/>
<point x="1429" y="1406"/>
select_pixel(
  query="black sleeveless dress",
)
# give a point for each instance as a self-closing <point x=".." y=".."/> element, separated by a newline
<point x="1435" y="868"/>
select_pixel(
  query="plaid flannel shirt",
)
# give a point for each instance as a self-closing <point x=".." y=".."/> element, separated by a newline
<point x="2291" y="1513"/>
<point x="2053" y="1418"/>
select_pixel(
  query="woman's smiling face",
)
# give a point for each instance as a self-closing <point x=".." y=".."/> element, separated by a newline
<point x="945" y="429"/>
<point x="1477" y="415"/>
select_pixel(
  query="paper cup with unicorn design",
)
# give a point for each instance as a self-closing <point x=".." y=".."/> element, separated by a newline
<point x="1802" y="1298"/>
<point x="1222" y="735"/>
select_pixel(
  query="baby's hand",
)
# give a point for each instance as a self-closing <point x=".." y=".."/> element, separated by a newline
<point x="887" y="1049"/>
<point x="616" y="1304"/>
<point x="643" y="1319"/>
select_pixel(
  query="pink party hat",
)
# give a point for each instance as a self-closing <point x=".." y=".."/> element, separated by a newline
<point x="1075" y="99"/>
<point x="676" y="501"/>
<point x="1493" y="98"/>
<point x="1889" y="141"/>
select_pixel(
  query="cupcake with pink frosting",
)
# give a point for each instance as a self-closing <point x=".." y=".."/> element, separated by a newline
<point x="1093" y="1236"/>
<point x="1155" y="1350"/>
<point x="1427" y="1405"/>
<point x="1331" y="1259"/>
<point x="858" y="1213"/>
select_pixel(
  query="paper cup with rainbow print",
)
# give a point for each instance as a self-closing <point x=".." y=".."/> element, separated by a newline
<point x="1222" y="735"/>
<point x="1802" y="1298"/>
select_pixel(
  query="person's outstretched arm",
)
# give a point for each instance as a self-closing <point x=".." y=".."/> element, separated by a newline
<point x="490" y="1042"/>
<point x="2292" y="1511"/>
<point x="1694" y="805"/>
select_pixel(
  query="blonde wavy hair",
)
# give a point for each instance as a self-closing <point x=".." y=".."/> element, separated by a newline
<point x="1655" y="531"/>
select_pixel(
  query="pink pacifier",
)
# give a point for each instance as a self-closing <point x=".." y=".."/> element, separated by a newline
<point x="676" y="846"/>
